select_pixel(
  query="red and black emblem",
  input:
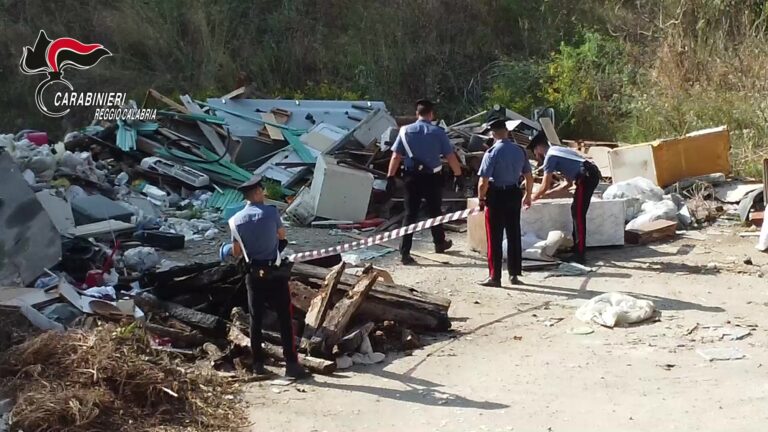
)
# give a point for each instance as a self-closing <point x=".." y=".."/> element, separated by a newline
<point x="52" y="57"/>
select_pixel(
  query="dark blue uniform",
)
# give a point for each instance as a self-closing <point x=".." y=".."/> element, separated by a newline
<point x="504" y="164"/>
<point x="421" y="145"/>
<point x="575" y="168"/>
<point x="255" y="228"/>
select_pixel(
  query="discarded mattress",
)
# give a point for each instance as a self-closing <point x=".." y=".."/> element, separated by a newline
<point x="612" y="309"/>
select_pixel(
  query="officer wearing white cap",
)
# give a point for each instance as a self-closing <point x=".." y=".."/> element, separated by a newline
<point x="258" y="236"/>
<point x="575" y="168"/>
<point x="503" y="168"/>
<point x="421" y="145"/>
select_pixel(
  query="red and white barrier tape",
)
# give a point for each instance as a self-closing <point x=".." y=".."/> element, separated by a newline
<point x="381" y="238"/>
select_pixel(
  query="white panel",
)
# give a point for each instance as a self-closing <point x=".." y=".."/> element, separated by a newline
<point x="632" y="161"/>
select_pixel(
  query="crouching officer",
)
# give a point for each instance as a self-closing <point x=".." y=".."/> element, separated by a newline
<point x="258" y="236"/>
<point x="500" y="193"/>
<point x="422" y="144"/>
<point x="575" y="168"/>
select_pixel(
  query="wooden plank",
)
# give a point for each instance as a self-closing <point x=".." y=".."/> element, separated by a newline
<point x="281" y="115"/>
<point x="321" y="366"/>
<point x="274" y="133"/>
<point x="332" y="330"/>
<point x="100" y="228"/>
<point x="168" y="101"/>
<point x="319" y="306"/>
<point x="302" y="295"/>
<point x="16" y="297"/>
<point x="208" y="131"/>
<point x="234" y="93"/>
<point x="650" y="232"/>
<point x="381" y="290"/>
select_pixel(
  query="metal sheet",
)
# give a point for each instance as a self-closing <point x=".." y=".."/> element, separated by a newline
<point x="332" y="112"/>
<point x="29" y="241"/>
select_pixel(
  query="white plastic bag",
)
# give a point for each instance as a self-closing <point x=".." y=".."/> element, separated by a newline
<point x="653" y="211"/>
<point x="639" y="188"/>
<point x="611" y="309"/>
<point x="141" y="258"/>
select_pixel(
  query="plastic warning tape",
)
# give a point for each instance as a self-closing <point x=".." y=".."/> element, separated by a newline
<point x="381" y="238"/>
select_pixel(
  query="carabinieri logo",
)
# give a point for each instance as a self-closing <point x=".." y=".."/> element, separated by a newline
<point x="52" y="57"/>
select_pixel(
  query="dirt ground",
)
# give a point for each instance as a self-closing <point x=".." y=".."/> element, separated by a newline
<point x="506" y="366"/>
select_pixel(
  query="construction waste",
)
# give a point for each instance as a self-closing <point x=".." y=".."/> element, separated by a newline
<point x="106" y="232"/>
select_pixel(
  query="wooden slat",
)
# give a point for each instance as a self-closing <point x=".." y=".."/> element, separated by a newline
<point x="274" y="133"/>
<point x="335" y="324"/>
<point x="208" y="131"/>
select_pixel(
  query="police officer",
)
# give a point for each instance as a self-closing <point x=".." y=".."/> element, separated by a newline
<point x="500" y="194"/>
<point x="258" y="236"/>
<point x="421" y="145"/>
<point x="575" y="168"/>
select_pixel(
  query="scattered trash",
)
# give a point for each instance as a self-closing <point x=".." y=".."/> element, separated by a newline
<point x="581" y="331"/>
<point x="141" y="258"/>
<point x="569" y="269"/>
<point x="611" y="309"/>
<point x="667" y="366"/>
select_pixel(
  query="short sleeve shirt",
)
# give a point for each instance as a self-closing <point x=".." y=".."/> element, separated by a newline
<point x="427" y="143"/>
<point x="505" y="163"/>
<point x="563" y="160"/>
<point x="257" y="226"/>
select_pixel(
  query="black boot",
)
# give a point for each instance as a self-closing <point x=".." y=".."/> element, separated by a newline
<point x="296" y="371"/>
<point x="408" y="260"/>
<point x="490" y="282"/>
<point x="444" y="246"/>
<point x="259" y="369"/>
<point x="514" y="280"/>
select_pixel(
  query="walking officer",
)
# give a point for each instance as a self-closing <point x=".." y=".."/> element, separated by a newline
<point x="258" y="236"/>
<point x="503" y="167"/>
<point x="421" y="145"/>
<point x="575" y="168"/>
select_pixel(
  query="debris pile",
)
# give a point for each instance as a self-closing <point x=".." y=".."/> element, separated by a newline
<point x="111" y="378"/>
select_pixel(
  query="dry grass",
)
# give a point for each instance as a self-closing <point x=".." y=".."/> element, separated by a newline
<point x="110" y="379"/>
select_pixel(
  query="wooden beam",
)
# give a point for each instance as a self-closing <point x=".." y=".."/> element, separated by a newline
<point x="332" y="330"/>
<point x="208" y="131"/>
<point x="302" y="295"/>
<point x="168" y="101"/>
<point x="316" y="365"/>
<point x="318" y="308"/>
<point x="405" y="305"/>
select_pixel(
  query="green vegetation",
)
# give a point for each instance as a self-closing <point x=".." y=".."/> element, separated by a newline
<point x="612" y="69"/>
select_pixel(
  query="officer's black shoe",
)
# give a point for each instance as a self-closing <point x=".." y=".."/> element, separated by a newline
<point x="408" y="260"/>
<point x="515" y="281"/>
<point x="444" y="246"/>
<point x="296" y="371"/>
<point x="259" y="369"/>
<point x="493" y="283"/>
